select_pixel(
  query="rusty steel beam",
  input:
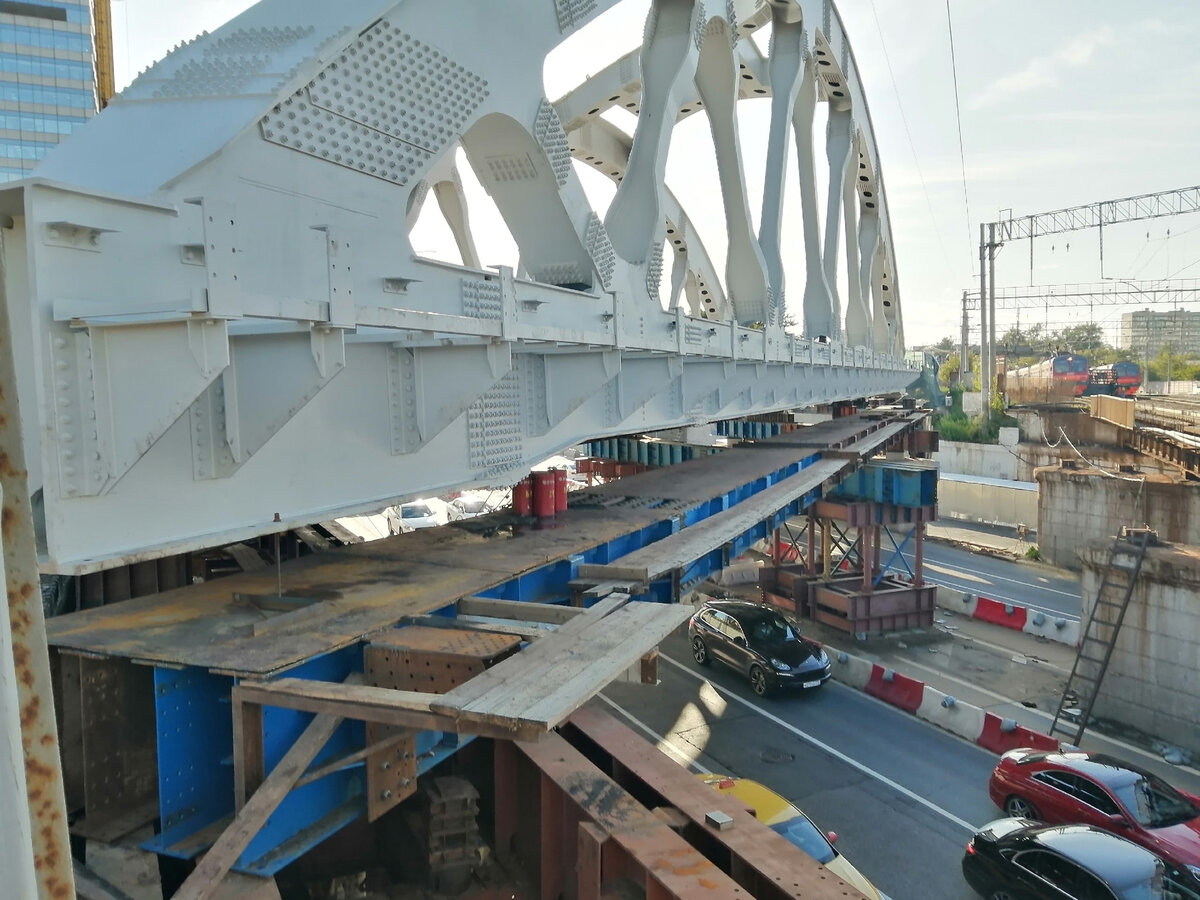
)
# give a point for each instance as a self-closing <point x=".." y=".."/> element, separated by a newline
<point x="45" y="802"/>
<point x="572" y="792"/>
<point x="762" y="862"/>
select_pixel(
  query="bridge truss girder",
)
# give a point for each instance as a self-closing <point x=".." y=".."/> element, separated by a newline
<point x="224" y="330"/>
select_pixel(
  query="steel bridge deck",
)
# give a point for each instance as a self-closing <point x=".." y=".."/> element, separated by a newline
<point x="221" y="626"/>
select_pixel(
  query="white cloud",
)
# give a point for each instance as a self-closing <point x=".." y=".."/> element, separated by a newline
<point x="1043" y="71"/>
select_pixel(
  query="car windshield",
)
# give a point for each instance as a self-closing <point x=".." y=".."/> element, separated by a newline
<point x="772" y="630"/>
<point x="470" y="504"/>
<point x="1151" y="888"/>
<point x="805" y="835"/>
<point x="1156" y="804"/>
<point x="415" y="511"/>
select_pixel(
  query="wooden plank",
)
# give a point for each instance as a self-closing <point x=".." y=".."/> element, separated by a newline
<point x="306" y="616"/>
<point x="350" y="759"/>
<point x="528" y="632"/>
<point x="624" y="639"/>
<point x="516" y="665"/>
<point x="621" y="571"/>
<point x="406" y="709"/>
<point x="457" y="641"/>
<point x="517" y="609"/>
<point x="248" y="763"/>
<point x="577" y="667"/>
<point x="206" y="878"/>
<point x="678" y="550"/>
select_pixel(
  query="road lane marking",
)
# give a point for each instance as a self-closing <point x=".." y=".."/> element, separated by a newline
<point x="949" y="567"/>
<point x="680" y="756"/>
<point x="821" y="745"/>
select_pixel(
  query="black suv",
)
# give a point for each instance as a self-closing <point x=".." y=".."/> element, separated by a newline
<point x="758" y="641"/>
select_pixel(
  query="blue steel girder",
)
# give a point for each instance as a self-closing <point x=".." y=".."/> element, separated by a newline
<point x="279" y="353"/>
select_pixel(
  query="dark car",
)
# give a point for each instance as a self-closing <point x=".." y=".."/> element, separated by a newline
<point x="758" y="641"/>
<point x="1099" y="790"/>
<point x="1019" y="859"/>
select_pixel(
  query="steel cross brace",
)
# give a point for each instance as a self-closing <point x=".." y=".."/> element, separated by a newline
<point x="897" y="552"/>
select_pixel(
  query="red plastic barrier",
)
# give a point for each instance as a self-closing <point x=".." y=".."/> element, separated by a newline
<point x="901" y="691"/>
<point x="993" y="611"/>
<point x="999" y="741"/>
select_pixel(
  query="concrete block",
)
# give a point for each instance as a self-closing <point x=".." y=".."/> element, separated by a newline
<point x="1068" y="635"/>
<point x="854" y="671"/>
<point x="962" y="719"/>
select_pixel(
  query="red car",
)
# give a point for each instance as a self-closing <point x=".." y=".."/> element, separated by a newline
<point x="1092" y="789"/>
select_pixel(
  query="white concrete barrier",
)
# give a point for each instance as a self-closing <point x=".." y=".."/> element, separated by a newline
<point x="848" y="669"/>
<point x="946" y="712"/>
<point x="1053" y="628"/>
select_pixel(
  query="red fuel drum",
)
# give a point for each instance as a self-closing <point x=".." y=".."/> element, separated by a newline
<point x="523" y="497"/>
<point x="543" y="494"/>
<point x="560" y="490"/>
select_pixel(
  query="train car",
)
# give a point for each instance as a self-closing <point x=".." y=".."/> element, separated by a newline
<point x="1119" y="379"/>
<point x="1060" y="378"/>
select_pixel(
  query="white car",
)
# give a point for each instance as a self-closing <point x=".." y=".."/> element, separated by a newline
<point x="416" y="514"/>
<point x="470" y="504"/>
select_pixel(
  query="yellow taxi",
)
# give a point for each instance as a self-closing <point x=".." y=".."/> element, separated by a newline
<point x="785" y="819"/>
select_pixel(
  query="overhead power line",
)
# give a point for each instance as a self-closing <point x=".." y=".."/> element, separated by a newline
<point x="1103" y="293"/>
<point x="1097" y="215"/>
<point x="962" y="157"/>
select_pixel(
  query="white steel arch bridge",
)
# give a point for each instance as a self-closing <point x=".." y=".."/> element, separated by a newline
<point x="221" y="325"/>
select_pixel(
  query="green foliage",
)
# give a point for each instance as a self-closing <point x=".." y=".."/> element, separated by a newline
<point x="1033" y="553"/>
<point x="955" y="425"/>
<point x="1171" y="366"/>
<point x="1024" y="346"/>
<point x="1085" y="338"/>
<point x="946" y="343"/>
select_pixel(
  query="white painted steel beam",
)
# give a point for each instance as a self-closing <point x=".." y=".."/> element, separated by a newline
<point x="224" y="328"/>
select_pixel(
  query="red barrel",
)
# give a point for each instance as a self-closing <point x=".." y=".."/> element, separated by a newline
<point x="543" y="494"/>
<point x="560" y="490"/>
<point x="523" y="497"/>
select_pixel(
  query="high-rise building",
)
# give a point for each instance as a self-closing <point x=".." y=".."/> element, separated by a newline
<point x="56" y="72"/>
<point x="1146" y="332"/>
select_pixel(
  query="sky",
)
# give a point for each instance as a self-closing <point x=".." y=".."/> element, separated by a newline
<point x="1061" y="103"/>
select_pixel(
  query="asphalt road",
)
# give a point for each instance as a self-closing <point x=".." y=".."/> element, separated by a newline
<point x="1053" y="591"/>
<point x="903" y="797"/>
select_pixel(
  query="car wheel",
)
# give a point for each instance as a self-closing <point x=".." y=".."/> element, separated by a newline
<point x="758" y="681"/>
<point x="1020" y="808"/>
<point x="700" y="652"/>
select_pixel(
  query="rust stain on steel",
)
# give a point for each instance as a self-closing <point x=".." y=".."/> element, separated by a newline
<point x="39" y="735"/>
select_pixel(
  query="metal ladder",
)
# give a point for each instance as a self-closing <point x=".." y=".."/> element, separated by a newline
<point x="1098" y="638"/>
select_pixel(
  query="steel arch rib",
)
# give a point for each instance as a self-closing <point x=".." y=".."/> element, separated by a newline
<point x="224" y="314"/>
<point x="619" y="85"/>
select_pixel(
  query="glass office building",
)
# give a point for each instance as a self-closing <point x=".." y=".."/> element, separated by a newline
<point x="47" y="78"/>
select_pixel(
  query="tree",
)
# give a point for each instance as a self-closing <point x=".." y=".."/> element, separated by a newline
<point x="1020" y="342"/>
<point x="1085" y="337"/>
<point x="946" y="343"/>
<point x="1169" y="366"/>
